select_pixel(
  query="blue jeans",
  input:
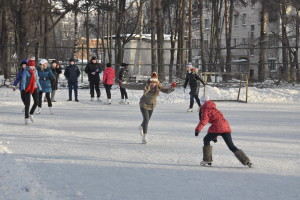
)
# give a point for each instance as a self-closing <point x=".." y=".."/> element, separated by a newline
<point x="226" y="137"/>
<point x="71" y="86"/>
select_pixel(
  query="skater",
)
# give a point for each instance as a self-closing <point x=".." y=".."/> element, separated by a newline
<point x="194" y="80"/>
<point x="219" y="127"/>
<point x="23" y="65"/>
<point x="72" y="74"/>
<point x="108" y="81"/>
<point x="93" y="69"/>
<point x="148" y="101"/>
<point x="46" y="76"/>
<point x="30" y="85"/>
<point x="56" y="70"/>
<point x="123" y="73"/>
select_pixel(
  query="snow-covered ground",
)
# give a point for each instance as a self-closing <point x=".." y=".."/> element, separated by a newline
<point x="92" y="151"/>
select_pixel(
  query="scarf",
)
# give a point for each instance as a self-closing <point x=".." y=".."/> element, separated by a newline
<point x="32" y="82"/>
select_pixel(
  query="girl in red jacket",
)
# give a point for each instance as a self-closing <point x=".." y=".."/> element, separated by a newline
<point x="108" y="80"/>
<point x="219" y="127"/>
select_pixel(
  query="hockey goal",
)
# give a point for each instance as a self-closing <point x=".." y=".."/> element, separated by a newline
<point x="225" y="86"/>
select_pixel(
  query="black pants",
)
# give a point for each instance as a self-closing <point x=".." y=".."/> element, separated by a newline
<point x="146" y="118"/>
<point x="123" y="93"/>
<point x="192" y="97"/>
<point x="107" y="89"/>
<point x="35" y="96"/>
<point x="71" y="86"/>
<point x="47" y="97"/>
<point x="23" y="97"/>
<point x="95" y="85"/>
<point x="226" y="137"/>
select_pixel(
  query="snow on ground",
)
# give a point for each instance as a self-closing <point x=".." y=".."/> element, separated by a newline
<point x="92" y="151"/>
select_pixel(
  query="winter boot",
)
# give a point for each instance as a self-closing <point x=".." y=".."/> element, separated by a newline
<point x="51" y="112"/>
<point x="241" y="156"/>
<point x="141" y="130"/>
<point x="26" y="121"/>
<point x="122" y="102"/>
<point x="39" y="110"/>
<point x="144" y="140"/>
<point x="207" y="156"/>
<point x="31" y="118"/>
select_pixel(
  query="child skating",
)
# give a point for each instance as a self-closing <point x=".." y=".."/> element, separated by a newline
<point x="219" y="127"/>
<point x="148" y="101"/>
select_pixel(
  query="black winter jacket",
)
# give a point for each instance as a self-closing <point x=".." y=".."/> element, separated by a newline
<point x="93" y="67"/>
<point x="193" y="80"/>
<point x="72" y="73"/>
<point x="54" y="82"/>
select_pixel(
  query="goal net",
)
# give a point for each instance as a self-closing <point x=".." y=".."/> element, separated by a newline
<point x="225" y="86"/>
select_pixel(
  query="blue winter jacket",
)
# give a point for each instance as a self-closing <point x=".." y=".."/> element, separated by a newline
<point x="26" y="79"/>
<point x="45" y="76"/>
<point x="18" y="79"/>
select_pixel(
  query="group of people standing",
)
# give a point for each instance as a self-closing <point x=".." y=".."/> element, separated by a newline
<point x="34" y="81"/>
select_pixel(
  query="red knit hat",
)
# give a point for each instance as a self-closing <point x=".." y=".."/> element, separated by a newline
<point x="31" y="63"/>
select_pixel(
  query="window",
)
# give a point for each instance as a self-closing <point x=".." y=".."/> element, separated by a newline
<point x="243" y="41"/>
<point x="235" y="20"/>
<point x="234" y="42"/>
<point x="195" y="43"/>
<point x="273" y="41"/>
<point x="206" y="24"/>
<point x="272" y="64"/>
<point x="206" y="44"/>
<point x="252" y="50"/>
<point x="252" y="28"/>
<point x="244" y="19"/>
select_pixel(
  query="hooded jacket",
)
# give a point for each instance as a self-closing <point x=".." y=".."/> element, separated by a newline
<point x="108" y="76"/>
<point x="210" y="114"/>
<point x="46" y="76"/>
<point x="194" y="81"/>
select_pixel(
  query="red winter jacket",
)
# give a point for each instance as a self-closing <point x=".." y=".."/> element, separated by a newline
<point x="108" y="76"/>
<point x="210" y="114"/>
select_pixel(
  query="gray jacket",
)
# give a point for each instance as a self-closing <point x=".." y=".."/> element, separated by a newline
<point x="147" y="101"/>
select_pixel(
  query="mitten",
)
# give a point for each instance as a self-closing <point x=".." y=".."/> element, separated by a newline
<point x="173" y="84"/>
<point x="196" y="133"/>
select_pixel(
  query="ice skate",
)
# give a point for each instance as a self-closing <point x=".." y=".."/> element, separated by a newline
<point x="31" y="118"/>
<point x="26" y="121"/>
<point x="98" y="99"/>
<point x="141" y="130"/>
<point x="205" y="163"/>
<point x="144" y="139"/>
<point x="122" y="102"/>
<point x="241" y="156"/>
<point x="39" y="110"/>
<point x="51" y="112"/>
<point x="126" y="101"/>
<point x="108" y="102"/>
<point x="190" y="110"/>
<point x="92" y="99"/>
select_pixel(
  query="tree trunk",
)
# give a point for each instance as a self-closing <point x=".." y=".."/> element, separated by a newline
<point x="297" y="44"/>
<point x="75" y="33"/>
<point x="153" y="38"/>
<point x="228" y="25"/>
<point x="286" y="71"/>
<point x="190" y="40"/>
<point x="5" y="68"/>
<point x="87" y="33"/>
<point x="202" y="46"/>
<point x="160" y="39"/>
<point x="262" y="43"/>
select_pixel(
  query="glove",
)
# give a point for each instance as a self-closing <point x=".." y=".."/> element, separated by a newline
<point x="215" y="140"/>
<point x="173" y="84"/>
<point x="14" y="88"/>
<point x="196" y="133"/>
